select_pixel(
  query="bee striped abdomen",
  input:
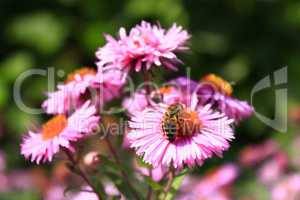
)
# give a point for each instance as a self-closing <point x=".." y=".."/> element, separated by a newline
<point x="170" y="124"/>
<point x="170" y="128"/>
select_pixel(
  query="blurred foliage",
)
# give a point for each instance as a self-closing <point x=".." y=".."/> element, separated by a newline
<point x="244" y="41"/>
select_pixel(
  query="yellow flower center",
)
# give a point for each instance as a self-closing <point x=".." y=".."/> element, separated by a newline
<point x="219" y="83"/>
<point x="81" y="72"/>
<point x="54" y="127"/>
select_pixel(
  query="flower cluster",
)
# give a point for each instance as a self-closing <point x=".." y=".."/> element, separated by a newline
<point x="213" y="185"/>
<point x="179" y="124"/>
<point x="145" y="46"/>
<point x="275" y="168"/>
<point x="75" y="107"/>
<point x="184" y="122"/>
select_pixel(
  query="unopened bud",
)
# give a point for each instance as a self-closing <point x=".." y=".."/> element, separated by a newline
<point x="91" y="159"/>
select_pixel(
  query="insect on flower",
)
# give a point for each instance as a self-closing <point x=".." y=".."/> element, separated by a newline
<point x="170" y="123"/>
<point x="179" y="122"/>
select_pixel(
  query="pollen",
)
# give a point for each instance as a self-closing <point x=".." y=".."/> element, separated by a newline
<point x="219" y="83"/>
<point x="80" y="72"/>
<point x="54" y="127"/>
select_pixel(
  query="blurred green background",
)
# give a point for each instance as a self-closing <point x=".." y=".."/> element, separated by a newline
<point x="243" y="41"/>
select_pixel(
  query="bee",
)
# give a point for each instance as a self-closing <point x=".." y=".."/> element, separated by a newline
<point x="170" y="125"/>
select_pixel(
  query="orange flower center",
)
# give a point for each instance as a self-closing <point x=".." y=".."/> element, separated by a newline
<point x="165" y="90"/>
<point x="54" y="127"/>
<point x="219" y="83"/>
<point x="81" y="72"/>
<point x="189" y="123"/>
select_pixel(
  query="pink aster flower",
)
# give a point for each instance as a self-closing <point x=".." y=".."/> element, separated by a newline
<point x="139" y="100"/>
<point x="175" y="91"/>
<point x="179" y="135"/>
<point x="136" y="102"/>
<point x="287" y="189"/>
<point x="72" y="94"/>
<point x="178" y="90"/>
<point x="85" y="83"/>
<point x="59" y="132"/>
<point x="144" y="46"/>
<point x="109" y="82"/>
<point x="217" y="91"/>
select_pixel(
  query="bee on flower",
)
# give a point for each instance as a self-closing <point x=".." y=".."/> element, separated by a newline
<point x="179" y="135"/>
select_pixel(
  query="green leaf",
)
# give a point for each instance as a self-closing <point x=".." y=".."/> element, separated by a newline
<point x="71" y="189"/>
<point x="176" y="184"/>
<point x="3" y="94"/>
<point x="111" y="164"/>
<point x="141" y="163"/>
<point x="120" y="184"/>
<point x="19" y="195"/>
<point x="154" y="185"/>
<point x="99" y="186"/>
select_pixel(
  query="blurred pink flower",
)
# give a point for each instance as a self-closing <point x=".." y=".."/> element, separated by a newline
<point x="4" y="184"/>
<point x="84" y="195"/>
<point x="1" y="125"/>
<point x="198" y="133"/>
<point x="2" y="161"/>
<point x="20" y="180"/>
<point x="135" y="103"/>
<point x="3" y="176"/>
<point x="295" y="158"/>
<point x="223" y="175"/>
<point x="59" y="132"/>
<point x="109" y="189"/>
<point x="217" y="91"/>
<point x="287" y="189"/>
<point x="179" y="90"/>
<point x="108" y="84"/>
<point x="253" y="154"/>
<point x="57" y="192"/>
<point x="213" y="186"/>
<point x="273" y="169"/>
<point x="145" y="45"/>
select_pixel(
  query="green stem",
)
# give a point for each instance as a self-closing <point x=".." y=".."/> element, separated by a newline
<point x="124" y="174"/>
<point x="169" y="183"/>
<point x="150" y="190"/>
<point x="147" y="79"/>
<point x="81" y="173"/>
